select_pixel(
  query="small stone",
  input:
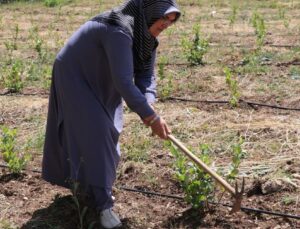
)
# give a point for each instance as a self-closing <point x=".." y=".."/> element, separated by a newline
<point x="271" y="186"/>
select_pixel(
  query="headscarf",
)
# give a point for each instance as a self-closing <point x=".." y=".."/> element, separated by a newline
<point x="135" y="17"/>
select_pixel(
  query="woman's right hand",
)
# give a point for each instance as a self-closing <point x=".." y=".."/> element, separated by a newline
<point x="158" y="126"/>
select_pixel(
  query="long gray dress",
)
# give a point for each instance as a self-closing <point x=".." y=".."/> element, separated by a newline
<point x="91" y="75"/>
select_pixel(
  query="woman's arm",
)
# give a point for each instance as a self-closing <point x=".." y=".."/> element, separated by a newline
<point x="146" y="81"/>
<point x="118" y="48"/>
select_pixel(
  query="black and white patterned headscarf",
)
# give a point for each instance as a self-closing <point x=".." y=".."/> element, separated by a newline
<point x="135" y="17"/>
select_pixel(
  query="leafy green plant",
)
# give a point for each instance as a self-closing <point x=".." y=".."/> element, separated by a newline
<point x="258" y="24"/>
<point x="12" y="43"/>
<point x="166" y="80"/>
<point x="15" y="161"/>
<point x="163" y="60"/>
<point x="197" y="185"/>
<point x="195" y="49"/>
<point x="232" y="16"/>
<point x="166" y="88"/>
<point x="12" y="77"/>
<point x="237" y="155"/>
<point x="37" y="43"/>
<point x="82" y="212"/>
<point x="52" y="3"/>
<point x="282" y="16"/>
<point x="232" y="84"/>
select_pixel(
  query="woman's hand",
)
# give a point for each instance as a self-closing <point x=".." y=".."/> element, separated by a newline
<point x="158" y="125"/>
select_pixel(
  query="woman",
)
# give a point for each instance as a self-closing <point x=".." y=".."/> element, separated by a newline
<point x="109" y="58"/>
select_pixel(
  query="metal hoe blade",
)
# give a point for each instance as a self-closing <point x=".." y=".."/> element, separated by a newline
<point x="238" y="197"/>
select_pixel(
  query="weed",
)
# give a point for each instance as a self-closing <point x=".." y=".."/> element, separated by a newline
<point x="195" y="50"/>
<point x="232" y="84"/>
<point x="15" y="161"/>
<point x="288" y="200"/>
<point x="136" y="150"/>
<point x="252" y="63"/>
<point x="36" y="143"/>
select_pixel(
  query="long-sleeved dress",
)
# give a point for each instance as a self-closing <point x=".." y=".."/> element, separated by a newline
<point x="91" y="75"/>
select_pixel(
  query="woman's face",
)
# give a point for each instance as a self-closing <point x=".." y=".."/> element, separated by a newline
<point x="161" y="24"/>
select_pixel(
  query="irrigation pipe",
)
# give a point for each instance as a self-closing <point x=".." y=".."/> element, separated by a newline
<point x="245" y="209"/>
<point x="252" y="104"/>
<point x="227" y="102"/>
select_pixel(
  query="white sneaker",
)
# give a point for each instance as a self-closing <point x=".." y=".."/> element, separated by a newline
<point x="109" y="219"/>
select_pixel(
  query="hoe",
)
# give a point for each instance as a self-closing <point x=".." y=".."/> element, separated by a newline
<point x="234" y="192"/>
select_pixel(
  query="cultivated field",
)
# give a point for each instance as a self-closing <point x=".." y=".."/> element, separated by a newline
<point x="232" y="93"/>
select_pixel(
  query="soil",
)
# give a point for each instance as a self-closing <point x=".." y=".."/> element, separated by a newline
<point x="271" y="165"/>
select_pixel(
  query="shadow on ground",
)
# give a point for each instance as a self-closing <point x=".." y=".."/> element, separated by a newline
<point x="62" y="213"/>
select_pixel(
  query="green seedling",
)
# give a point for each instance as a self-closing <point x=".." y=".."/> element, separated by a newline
<point x="195" y="49"/>
<point x="52" y="3"/>
<point x="37" y="43"/>
<point x="258" y="24"/>
<point x="197" y="185"/>
<point x="166" y="80"/>
<point x="238" y="154"/>
<point x="15" y="161"/>
<point x="282" y="16"/>
<point x="12" y="43"/>
<point x="12" y="77"/>
<point x="232" y="84"/>
<point x="233" y="14"/>
<point x="82" y="212"/>
<point x="163" y="60"/>
<point x="166" y="88"/>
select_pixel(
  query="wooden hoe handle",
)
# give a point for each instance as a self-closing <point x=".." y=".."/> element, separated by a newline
<point x="202" y="165"/>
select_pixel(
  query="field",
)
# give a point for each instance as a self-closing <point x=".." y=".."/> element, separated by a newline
<point x="242" y="92"/>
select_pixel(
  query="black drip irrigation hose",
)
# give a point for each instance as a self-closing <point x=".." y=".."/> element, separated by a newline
<point x="226" y="102"/>
<point x="244" y="209"/>
<point x="252" y="104"/>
